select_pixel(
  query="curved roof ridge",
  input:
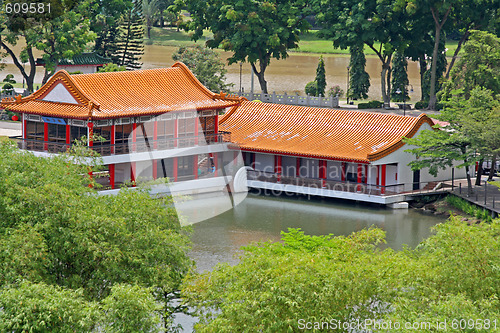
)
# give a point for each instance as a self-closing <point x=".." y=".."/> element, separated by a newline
<point x="190" y="75"/>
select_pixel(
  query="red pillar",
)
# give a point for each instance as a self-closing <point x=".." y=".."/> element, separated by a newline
<point x="46" y="136"/>
<point x="297" y="167"/>
<point x="383" y="178"/>
<point x="132" y="173"/>
<point x="113" y="139"/>
<point x="195" y="166"/>
<point x="155" y="134"/>
<point x="378" y="175"/>
<point x="112" y="176"/>
<point x="360" y="177"/>
<point x="343" y="172"/>
<point x="68" y="134"/>
<point x="134" y="136"/>
<point x="277" y="166"/>
<point x="322" y="172"/>
<point x="155" y="169"/>
<point x="174" y="171"/>
<point x="25" y="127"/>
<point x="216" y="126"/>
<point x="366" y="173"/>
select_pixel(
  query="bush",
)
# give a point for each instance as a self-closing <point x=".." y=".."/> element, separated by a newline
<point x="421" y="105"/>
<point x="312" y="88"/>
<point x="335" y="91"/>
<point x="468" y="208"/>
<point x="370" y="105"/>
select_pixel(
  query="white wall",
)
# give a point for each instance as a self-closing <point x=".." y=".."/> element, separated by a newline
<point x="84" y="69"/>
<point x="289" y="166"/>
<point x="405" y="174"/>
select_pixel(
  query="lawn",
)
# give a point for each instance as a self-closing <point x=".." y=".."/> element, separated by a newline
<point x="309" y="42"/>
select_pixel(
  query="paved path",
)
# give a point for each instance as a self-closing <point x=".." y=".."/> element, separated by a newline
<point x="486" y="196"/>
<point x="10" y="128"/>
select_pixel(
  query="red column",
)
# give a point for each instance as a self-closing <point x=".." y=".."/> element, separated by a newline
<point x="134" y="136"/>
<point x="216" y="126"/>
<point x="155" y="134"/>
<point x="277" y="166"/>
<point x="378" y="174"/>
<point x="383" y="178"/>
<point x="155" y="169"/>
<point x="322" y="172"/>
<point x="366" y="173"/>
<point x="174" y="171"/>
<point x="297" y="167"/>
<point x="46" y="136"/>
<point x="176" y="131"/>
<point x="343" y="172"/>
<point x="360" y="177"/>
<point x="113" y="138"/>
<point x="112" y="176"/>
<point x="25" y="127"/>
<point x="132" y="173"/>
<point x="195" y="166"/>
<point x="68" y="134"/>
<point x="90" y="125"/>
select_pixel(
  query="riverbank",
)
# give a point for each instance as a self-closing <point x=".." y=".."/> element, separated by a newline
<point x="309" y="42"/>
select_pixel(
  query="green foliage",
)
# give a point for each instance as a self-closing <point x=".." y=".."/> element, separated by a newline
<point x="479" y="65"/>
<point x="39" y="307"/>
<point x="311" y="88"/>
<point x="112" y="68"/>
<point x="359" y="80"/>
<point x="371" y="105"/>
<point x="451" y="275"/>
<point x="320" y="78"/>
<point x="131" y="309"/>
<point x="56" y="230"/>
<point x="441" y="64"/>
<point x="400" y="80"/>
<point x="335" y="91"/>
<point x="253" y="31"/>
<point x="206" y="65"/>
<point x="128" y="47"/>
<point x="469" y="208"/>
<point x="420" y="105"/>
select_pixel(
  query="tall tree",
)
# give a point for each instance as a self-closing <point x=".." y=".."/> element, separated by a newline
<point x="320" y="78"/>
<point x="129" y="42"/>
<point x="369" y="22"/>
<point x="400" y="80"/>
<point x="150" y="9"/>
<point x="359" y="81"/>
<point x="254" y="31"/>
<point x="206" y="65"/>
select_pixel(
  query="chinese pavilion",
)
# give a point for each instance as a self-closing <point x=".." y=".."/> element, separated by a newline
<point x="150" y="123"/>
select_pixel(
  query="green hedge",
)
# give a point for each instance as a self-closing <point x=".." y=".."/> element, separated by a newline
<point x="468" y="208"/>
<point x="370" y="105"/>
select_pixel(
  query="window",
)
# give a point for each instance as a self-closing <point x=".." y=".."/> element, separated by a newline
<point x="57" y="133"/>
<point x="35" y="130"/>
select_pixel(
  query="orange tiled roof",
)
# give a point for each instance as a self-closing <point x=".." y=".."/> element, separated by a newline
<point x="123" y="94"/>
<point x="318" y="133"/>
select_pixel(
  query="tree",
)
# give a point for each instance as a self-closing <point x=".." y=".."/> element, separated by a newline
<point x="61" y="37"/>
<point x="111" y="68"/>
<point x="320" y="78"/>
<point x="129" y="41"/>
<point x="69" y="236"/>
<point x="206" y="65"/>
<point x="254" y="31"/>
<point x="149" y="10"/>
<point x="441" y="64"/>
<point x="369" y="22"/>
<point x="359" y="81"/>
<point x="305" y="282"/>
<point x="400" y="80"/>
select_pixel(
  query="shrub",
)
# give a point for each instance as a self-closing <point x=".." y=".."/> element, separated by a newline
<point x="312" y="88"/>
<point x="421" y="105"/>
<point x="370" y="105"/>
<point x="335" y="91"/>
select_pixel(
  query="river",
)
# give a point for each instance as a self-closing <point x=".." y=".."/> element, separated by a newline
<point x="290" y="75"/>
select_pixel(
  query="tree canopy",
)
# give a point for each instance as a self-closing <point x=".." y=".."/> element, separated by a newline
<point x="254" y="31"/>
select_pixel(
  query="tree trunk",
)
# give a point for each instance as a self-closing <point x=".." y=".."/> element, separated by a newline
<point x="479" y="172"/>
<point x="389" y="73"/>
<point x="439" y="25"/>
<point x="149" y="32"/>
<point x="469" y="181"/>
<point x="492" y="168"/>
<point x="385" y="84"/>
<point x="455" y="55"/>
<point x="423" y="69"/>
<point x="260" y="76"/>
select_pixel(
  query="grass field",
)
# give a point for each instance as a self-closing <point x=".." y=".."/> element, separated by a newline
<point x="309" y="42"/>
